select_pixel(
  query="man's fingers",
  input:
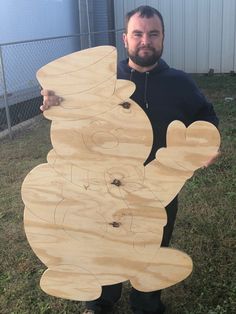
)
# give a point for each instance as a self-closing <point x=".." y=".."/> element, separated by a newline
<point x="46" y="92"/>
<point x="52" y="100"/>
<point x="43" y="107"/>
<point x="49" y="99"/>
<point x="212" y="160"/>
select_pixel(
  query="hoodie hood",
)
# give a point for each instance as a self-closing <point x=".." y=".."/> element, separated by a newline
<point x="166" y="94"/>
<point x="141" y="78"/>
<point x="124" y="70"/>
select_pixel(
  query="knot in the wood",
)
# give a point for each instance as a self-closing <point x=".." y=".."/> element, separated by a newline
<point x="125" y="105"/>
<point x="115" y="224"/>
<point x="116" y="182"/>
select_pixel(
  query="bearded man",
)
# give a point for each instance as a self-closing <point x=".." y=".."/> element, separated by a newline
<point x="165" y="94"/>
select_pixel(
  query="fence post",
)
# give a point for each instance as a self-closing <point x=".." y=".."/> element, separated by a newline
<point x="3" y="79"/>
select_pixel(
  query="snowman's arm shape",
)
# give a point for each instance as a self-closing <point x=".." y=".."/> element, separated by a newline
<point x="187" y="150"/>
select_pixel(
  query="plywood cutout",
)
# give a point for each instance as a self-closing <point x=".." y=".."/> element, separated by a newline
<point x="94" y="215"/>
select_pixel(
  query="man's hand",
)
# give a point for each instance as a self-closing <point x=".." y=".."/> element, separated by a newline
<point x="49" y="99"/>
<point x="212" y="160"/>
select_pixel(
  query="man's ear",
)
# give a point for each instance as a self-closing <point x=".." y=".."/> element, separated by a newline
<point x="125" y="39"/>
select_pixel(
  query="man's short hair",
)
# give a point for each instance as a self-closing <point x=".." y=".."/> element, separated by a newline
<point x="144" y="11"/>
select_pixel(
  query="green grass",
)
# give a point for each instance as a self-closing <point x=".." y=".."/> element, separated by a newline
<point x="205" y="226"/>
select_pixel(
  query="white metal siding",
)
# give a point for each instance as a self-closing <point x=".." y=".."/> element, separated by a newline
<point x="31" y="19"/>
<point x="199" y="34"/>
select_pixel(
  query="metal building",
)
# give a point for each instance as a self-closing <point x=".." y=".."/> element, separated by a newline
<point x="200" y="34"/>
<point x="22" y="48"/>
<point x="97" y="22"/>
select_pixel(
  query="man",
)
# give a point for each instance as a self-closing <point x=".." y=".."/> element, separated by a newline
<point x="165" y="95"/>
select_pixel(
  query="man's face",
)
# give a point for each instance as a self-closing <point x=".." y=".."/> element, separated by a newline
<point x="144" y="40"/>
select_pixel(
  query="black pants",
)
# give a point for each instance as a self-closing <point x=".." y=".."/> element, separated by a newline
<point x="148" y="301"/>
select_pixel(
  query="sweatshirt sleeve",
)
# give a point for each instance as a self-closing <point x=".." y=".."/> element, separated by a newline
<point x="204" y="110"/>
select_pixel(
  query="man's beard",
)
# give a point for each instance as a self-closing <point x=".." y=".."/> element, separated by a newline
<point x="147" y="60"/>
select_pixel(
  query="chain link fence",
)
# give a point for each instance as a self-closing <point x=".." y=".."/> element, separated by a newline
<point x="19" y="89"/>
<point x="20" y="97"/>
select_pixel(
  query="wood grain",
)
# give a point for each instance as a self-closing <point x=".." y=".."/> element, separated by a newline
<point x="94" y="214"/>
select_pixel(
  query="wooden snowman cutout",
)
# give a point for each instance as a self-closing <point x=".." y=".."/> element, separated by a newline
<point x="94" y="215"/>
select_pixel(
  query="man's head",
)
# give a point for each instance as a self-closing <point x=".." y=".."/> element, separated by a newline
<point x="144" y="37"/>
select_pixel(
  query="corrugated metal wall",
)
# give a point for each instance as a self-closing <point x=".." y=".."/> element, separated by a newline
<point x="200" y="34"/>
<point x="96" y="18"/>
<point x="103" y="19"/>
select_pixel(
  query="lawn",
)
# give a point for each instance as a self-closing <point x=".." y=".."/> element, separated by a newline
<point x="205" y="227"/>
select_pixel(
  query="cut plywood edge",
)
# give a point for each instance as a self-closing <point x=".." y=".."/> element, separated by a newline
<point x="94" y="214"/>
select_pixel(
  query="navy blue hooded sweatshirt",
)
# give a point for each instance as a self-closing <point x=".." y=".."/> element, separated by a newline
<point x="167" y="94"/>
